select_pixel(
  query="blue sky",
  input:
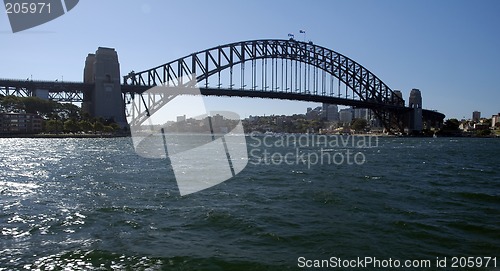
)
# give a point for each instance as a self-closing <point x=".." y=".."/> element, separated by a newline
<point x="449" y="49"/>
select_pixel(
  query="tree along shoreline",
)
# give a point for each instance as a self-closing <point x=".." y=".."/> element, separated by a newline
<point x="58" y="118"/>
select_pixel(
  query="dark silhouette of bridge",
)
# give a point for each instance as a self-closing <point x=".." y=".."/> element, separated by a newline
<point x="278" y="69"/>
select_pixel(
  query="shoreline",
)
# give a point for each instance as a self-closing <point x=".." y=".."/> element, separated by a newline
<point x="62" y="135"/>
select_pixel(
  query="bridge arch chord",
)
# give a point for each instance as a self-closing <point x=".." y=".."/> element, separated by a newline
<point x="205" y="64"/>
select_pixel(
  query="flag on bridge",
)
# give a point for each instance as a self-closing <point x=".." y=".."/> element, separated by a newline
<point x="291" y="35"/>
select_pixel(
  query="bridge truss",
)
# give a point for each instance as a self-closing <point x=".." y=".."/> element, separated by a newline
<point x="279" y="69"/>
<point x="52" y="90"/>
<point x="283" y="69"/>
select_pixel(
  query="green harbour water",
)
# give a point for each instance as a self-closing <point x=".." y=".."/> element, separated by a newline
<point x="94" y="204"/>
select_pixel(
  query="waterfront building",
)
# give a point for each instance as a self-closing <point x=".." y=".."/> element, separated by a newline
<point x="481" y="126"/>
<point x="332" y="112"/>
<point x="181" y="118"/>
<point x="415" y="103"/>
<point x="476" y="116"/>
<point x="345" y="115"/>
<point x="398" y="98"/>
<point x="20" y="123"/>
<point x="316" y="113"/>
<point x="361" y="113"/>
<point x="466" y="126"/>
<point x="495" y="119"/>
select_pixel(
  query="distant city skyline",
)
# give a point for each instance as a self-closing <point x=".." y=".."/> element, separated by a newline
<point x="447" y="49"/>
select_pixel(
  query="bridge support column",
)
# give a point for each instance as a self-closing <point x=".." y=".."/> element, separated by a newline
<point x="106" y="101"/>
<point x="416" y="112"/>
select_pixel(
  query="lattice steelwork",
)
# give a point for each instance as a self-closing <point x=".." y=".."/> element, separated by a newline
<point x="286" y="69"/>
<point x="56" y="91"/>
<point x="281" y="69"/>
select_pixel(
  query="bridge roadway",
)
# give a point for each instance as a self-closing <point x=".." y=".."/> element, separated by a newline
<point x="75" y="91"/>
<point x="60" y="91"/>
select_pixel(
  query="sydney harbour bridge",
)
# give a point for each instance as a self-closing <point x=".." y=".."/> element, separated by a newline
<point x="276" y="69"/>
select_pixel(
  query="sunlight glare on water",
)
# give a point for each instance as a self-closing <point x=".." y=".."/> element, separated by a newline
<point x="93" y="204"/>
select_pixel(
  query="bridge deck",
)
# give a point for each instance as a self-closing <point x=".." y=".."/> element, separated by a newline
<point x="75" y="90"/>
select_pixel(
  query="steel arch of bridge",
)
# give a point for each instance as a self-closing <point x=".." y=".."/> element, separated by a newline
<point x="367" y="89"/>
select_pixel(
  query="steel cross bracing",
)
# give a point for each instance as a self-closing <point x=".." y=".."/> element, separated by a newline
<point x="281" y="68"/>
<point x="56" y="91"/>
